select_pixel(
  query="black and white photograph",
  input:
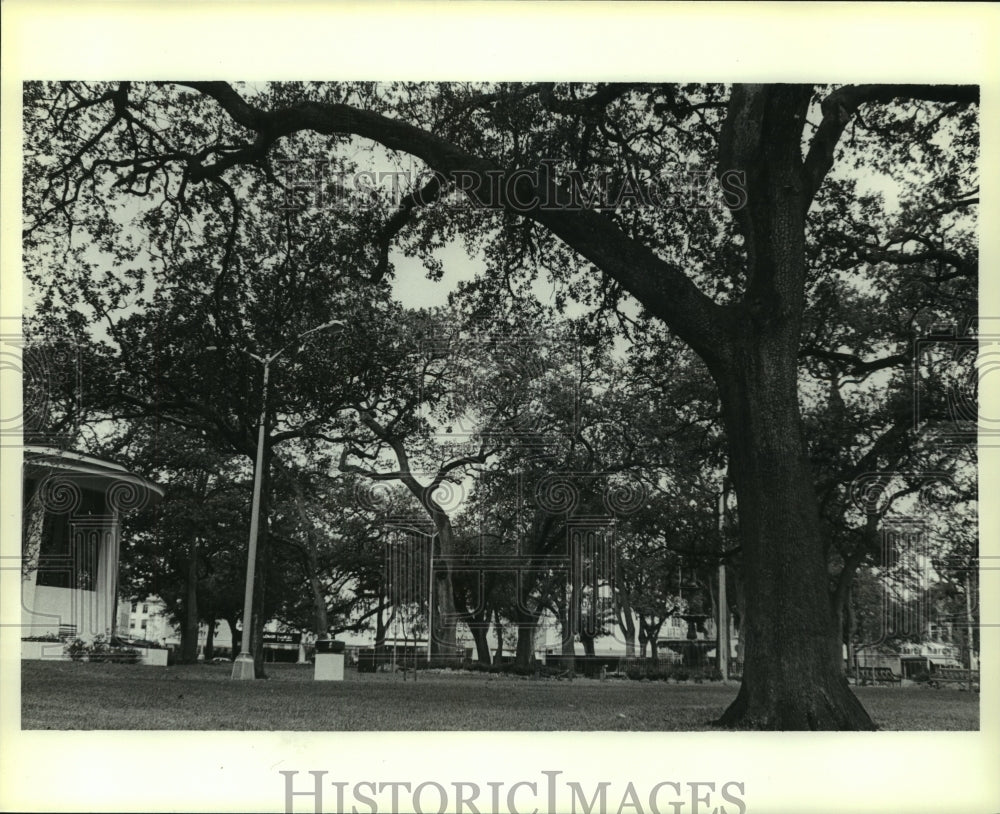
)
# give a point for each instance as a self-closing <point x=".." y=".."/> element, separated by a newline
<point x="490" y="427"/>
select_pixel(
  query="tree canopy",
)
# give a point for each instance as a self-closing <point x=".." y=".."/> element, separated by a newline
<point x="794" y="238"/>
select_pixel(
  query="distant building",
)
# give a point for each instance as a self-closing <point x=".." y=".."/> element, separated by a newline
<point x="910" y="658"/>
<point x="145" y="620"/>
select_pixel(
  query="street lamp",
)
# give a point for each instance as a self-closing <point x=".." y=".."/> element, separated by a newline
<point x="243" y="665"/>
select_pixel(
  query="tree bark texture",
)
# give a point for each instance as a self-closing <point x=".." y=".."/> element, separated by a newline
<point x="189" y="630"/>
<point x="791" y="678"/>
<point x="210" y="641"/>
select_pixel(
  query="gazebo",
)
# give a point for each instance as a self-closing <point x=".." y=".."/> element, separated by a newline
<point x="71" y="536"/>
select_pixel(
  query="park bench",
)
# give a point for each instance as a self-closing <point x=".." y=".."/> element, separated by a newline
<point x="878" y="675"/>
<point x="954" y="675"/>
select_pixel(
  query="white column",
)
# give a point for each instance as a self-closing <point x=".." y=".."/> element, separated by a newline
<point x="29" y="569"/>
<point x="106" y="579"/>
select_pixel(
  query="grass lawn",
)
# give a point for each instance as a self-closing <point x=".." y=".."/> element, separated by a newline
<point x="70" y="695"/>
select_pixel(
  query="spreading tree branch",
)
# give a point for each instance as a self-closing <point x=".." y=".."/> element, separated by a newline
<point x="840" y="106"/>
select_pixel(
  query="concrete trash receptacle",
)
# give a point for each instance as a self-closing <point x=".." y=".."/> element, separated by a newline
<point x="329" y="664"/>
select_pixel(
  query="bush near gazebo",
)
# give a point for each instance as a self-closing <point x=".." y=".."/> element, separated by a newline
<point x="100" y="649"/>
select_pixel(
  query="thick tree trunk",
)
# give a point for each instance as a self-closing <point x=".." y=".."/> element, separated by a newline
<point x="525" y="652"/>
<point x="189" y="630"/>
<point x="841" y="600"/>
<point x="381" y="631"/>
<point x="630" y="642"/>
<point x="234" y="636"/>
<point x="444" y="640"/>
<point x="478" y="620"/>
<point x="210" y="641"/>
<point x="480" y="630"/>
<point x="526" y="627"/>
<point x="498" y="630"/>
<point x="443" y="632"/>
<point x="739" y="598"/>
<point x="321" y="623"/>
<point x="626" y="622"/>
<point x="649" y="632"/>
<point x="568" y="643"/>
<point x="791" y="677"/>
<point x="850" y="626"/>
<point x="444" y="635"/>
<point x="841" y="595"/>
<point x="567" y="649"/>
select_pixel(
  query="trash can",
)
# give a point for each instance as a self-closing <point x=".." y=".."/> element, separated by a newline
<point x="329" y="664"/>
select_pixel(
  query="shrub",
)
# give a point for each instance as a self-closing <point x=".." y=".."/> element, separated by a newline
<point x="99" y="647"/>
<point x="77" y="649"/>
<point x="125" y="655"/>
<point x="119" y="641"/>
<point x="666" y="671"/>
<point x="100" y="650"/>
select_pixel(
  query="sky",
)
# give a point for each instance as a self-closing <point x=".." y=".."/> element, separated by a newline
<point x="412" y="288"/>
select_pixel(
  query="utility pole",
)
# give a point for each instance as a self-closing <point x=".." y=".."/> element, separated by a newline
<point x="243" y="666"/>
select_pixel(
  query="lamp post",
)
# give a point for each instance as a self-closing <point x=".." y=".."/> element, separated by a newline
<point x="243" y="665"/>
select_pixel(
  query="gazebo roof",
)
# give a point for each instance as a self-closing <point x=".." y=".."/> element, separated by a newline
<point x="39" y="460"/>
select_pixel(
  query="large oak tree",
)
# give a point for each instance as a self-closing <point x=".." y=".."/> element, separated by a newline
<point x="729" y="281"/>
